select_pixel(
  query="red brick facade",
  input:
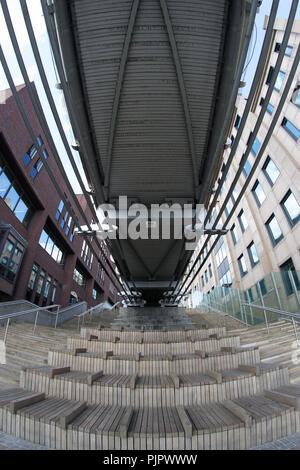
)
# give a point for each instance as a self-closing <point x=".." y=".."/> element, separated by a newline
<point x="44" y="200"/>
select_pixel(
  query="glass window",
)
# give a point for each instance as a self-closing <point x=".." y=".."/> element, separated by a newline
<point x="64" y="219"/>
<point x="242" y="265"/>
<point x="68" y="226"/>
<point x="291" y="208"/>
<point x="234" y="234"/>
<point x="51" y="246"/>
<point x="26" y="159"/>
<point x="210" y="270"/>
<point x="21" y="210"/>
<point x="262" y="286"/>
<point x="41" y="281"/>
<point x="286" y="267"/>
<point x="10" y="258"/>
<point x="270" y="108"/>
<point x="279" y="80"/>
<point x="274" y="230"/>
<point x="247" y="168"/>
<point x="39" y="140"/>
<point x="271" y="171"/>
<point x="59" y="210"/>
<point x="12" y="198"/>
<point x="237" y="121"/>
<point x="5" y="184"/>
<point x="249" y="295"/>
<point x="33" y="275"/>
<point x="206" y="276"/>
<point x="269" y="77"/>
<point x="253" y="256"/>
<point x="32" y="151"/>
<point x="72" y="233"/>
<point x="47" y="286"/>
<point x="291" y="129"/>
<point x="255" y="146"/>
<point x="79" y="278"/>
<point x="242" y="221"/>
<point x="288" y="51"/>
<point x="258" y="193"/>
<point x="53" y="291"/>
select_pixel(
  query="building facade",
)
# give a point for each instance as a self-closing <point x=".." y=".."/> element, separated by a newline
<point x="264" y="232"/>
<point x="41" y="258"/>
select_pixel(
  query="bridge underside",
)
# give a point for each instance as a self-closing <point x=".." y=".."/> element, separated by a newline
<point x="150" y="83"/>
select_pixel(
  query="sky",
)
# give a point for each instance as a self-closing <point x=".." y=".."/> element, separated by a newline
<point x="39" y="27"/>
<point x="258" y="37"/>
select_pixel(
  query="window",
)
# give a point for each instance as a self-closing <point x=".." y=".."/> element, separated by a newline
<point x="258" y="193"/>
<point x="249" y="295"/>
<point x="206" y="276"/>
<point x="232" y="141"/>
<point x="13" y="197"/>
<point x="234" y="234"/>
<point x="47" y="286"/>
<point x="242" y="265"/>
<point x="252" y="253"/>
<point x="271" y="171"/>
<point x="54" y="287"/>
<point x="202" y="281"/>
<point x="59" y="210"/>
<point x="262" y="285"/>
<point x="279" y="80"/>
<point x="288" y="51"/>
<point x="291" y="208"/>
<point x="210" y="271"/>
<point x="269" y="77"/>
<point x="40" y="282"/>
<point x="291" y="129"/>
<point x="274" y="230"/>
<point x="72" y="233"/>
<point x="237" y="121"/>
<point x="296" y="95"/>
<point x="10" y="258"/>
<point x="36" y="168"/>
<point x="79" y="277"/>
<point x="270" y="108"/>
<point x="255" y="146"/>
<point x="49" y="244"/>
<point x="247" y="168"/>
<point x="96" y="294"/>
<point x="29" y="155"/>
<point x="32" y="278"/>
<point x="64" y="219"/>
<point x="68" y="226"/>
<point x="242" y="221"/>
<point x="286" y="267"/>
<point x="39" y="140"/>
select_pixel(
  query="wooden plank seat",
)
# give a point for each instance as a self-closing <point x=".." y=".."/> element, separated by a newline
<point x="65" y="424"/>
<point x="152" y="336"/>
<point x="183" y="347"/>
<point x="152" y="366"/>
<point x="162" y="390"/>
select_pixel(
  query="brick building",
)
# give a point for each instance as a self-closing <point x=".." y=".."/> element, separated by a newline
<point x="41" y="259"/>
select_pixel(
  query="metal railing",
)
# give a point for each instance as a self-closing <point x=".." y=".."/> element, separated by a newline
<point x="37" y="310"/>
<point x="291" y="316"/>
<point x="91" y="311"/>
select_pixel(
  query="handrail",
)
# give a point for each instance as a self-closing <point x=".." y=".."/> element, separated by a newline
<point x="37" y="309"/>
<point x="291" y="315"/>
<point x="90" y="312"/>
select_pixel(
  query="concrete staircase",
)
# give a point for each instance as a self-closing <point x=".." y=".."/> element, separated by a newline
<point x="204" y="387"/>
<point x="152" y="318"/>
